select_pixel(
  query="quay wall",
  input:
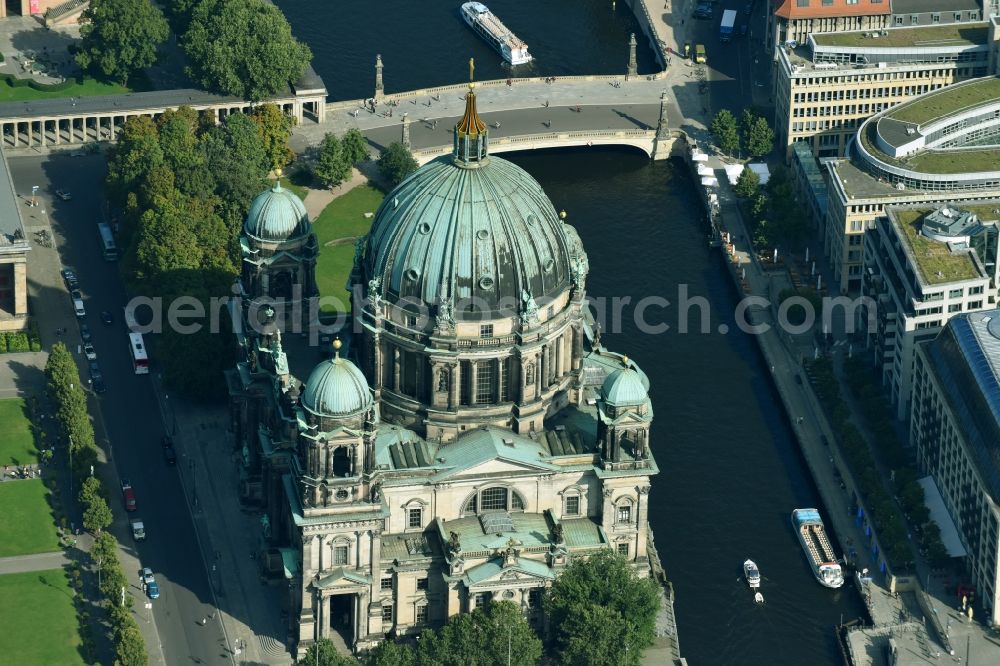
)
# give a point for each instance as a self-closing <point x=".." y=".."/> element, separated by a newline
<point x="642" y="14"/>
<point x="821" y="460"/>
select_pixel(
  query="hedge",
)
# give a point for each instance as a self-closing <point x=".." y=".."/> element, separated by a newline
<point x="20" y="341"/>
<point x="15" y="82"/>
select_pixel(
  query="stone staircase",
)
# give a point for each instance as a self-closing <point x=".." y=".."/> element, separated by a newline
<point x="67" y="13"/>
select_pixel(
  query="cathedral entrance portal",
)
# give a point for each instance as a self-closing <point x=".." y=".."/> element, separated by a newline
<point x="342" y="616"/>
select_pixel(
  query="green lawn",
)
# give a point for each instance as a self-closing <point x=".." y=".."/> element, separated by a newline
<point x="26" y="524"/>
<point x="343" y="218"/>
<point x="938" y="35"/>
<point x="299" y="191"/>
<point x="934" y="257"/>
<point x="17" y="445"/>
<point x="38" y="619"/>
<point x="947" y="101"/>
<point x="88" y="88"/>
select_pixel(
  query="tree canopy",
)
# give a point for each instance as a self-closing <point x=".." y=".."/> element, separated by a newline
<point x="243" y="48"/>
<point x="725" y="131"/>
<point x="747" y="183"/>
<point x="396" y="163"/>
<point x="597" y="593"/>
<point x="333" y="165"/>
<point x="484" y="637"/>
<point x="275" y="128"/>
<point x="758" y="137"/>
<point x="324" y="653"/>
<point x="120" y="37"/>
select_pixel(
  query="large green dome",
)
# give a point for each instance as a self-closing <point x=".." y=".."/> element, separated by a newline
<point x="277" y="215"/>
<point x="457" y="230"/>
<point x="337" y="388"/>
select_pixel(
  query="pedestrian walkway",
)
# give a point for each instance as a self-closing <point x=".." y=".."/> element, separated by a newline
<point x="35" y="562"/>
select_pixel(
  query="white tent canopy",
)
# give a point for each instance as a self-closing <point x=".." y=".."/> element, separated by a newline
<point x="733" y="172"/>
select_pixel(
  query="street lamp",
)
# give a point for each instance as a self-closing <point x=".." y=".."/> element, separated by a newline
<point x="34" y="194"/>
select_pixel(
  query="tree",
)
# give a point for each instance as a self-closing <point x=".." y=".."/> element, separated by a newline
<point x="484" y="637"/>
<point x="762" y="235"/>
<point x="391" y="653"/>
<point x="120" y="37"/>
<point x="747" y="183"/>
<point x="396" y="163"/>
<point x="324" y="653"/>
<point x="332" y="163"/>
<point x="182" y="153"/>
<point x="136" y="153"/>
<point x="275" y="128"/>
<point x="723" y="127"/>
<point x="97" y="514"/>
<point x="599" y="636"/>
<point x="238" y="161"/>
<point x="355" y="145"/>
<point x="759" y="138"/>
<point x="243" y="48"/>
<point x="607" y="581"/>
<point x="129" y="647"/>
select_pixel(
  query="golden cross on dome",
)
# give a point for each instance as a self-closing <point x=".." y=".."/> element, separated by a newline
<point x="472" y="72"/>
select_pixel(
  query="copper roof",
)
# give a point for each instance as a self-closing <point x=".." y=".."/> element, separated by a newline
<point x="470" y="124"/>
<point x="790" y="9"/>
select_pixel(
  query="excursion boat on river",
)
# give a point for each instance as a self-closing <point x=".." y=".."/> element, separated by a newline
<point x="812" y="535"/>
<point x="752" y="573"/>
<point x="489" y="27"/>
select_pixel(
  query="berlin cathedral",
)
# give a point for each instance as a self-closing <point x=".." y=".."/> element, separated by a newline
<point x="467" y="438"/>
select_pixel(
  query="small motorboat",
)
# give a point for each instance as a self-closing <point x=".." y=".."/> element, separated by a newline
<point x="758" y="597"/>
<point x="752" y="573"/>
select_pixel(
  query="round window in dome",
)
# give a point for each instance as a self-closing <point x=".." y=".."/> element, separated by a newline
<point x="482" y="234"/>
<point x="424" y="228"/>
<point x="531" y="218"/>
<point x="412" y="274"/>
<point x="548" y="264"/>
<point x="342" y="495"/>
<point x="486" y="282"/>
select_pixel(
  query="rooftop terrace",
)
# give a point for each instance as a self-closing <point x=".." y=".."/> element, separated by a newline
<point x="955" y="161"/>
<point x="934" y="260"/>
<point x="947" y="101"/>
<point x="952" y="34"/>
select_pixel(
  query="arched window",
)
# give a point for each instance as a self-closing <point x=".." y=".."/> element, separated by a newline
<point x="496" y="498"/>
<point x="623" y="512"/>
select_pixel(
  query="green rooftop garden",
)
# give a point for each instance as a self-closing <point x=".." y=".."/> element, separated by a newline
<point x="936" y="263"/>
<point x="336" y="228"/>
<point x="938" y="35"/>
<point x="947" y="101"/>
<point x="955" y="161"/>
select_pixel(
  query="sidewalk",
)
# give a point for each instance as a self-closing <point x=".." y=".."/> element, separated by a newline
<point x="36" y="562"/>
<point x="229" y="536"/>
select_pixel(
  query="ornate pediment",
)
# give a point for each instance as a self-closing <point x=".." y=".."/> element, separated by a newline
<point x="492" y="574"/>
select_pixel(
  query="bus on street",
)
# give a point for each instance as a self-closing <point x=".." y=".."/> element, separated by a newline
<point x="137" y="348"/>
<point x="107" y="242"/>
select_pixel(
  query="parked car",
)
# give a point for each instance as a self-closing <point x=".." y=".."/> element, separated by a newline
<point x="85" y="334"/>
<point x="96" y="378"/>
<point x="138" y="530"/>
<point x="64" y="195"/>
<point x="152" y="589"/>
<point x="89" y="352"/>
<point x="169" y="453"/>
<point x="128" y="495"/>
<point x="69" y="277"/>
<point x="78" y="308"/>
<point x="106" y="317"/>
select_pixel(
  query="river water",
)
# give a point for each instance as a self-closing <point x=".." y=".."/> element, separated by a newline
<point x="730" y="472"/>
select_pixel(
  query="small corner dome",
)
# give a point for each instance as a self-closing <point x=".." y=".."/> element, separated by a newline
<point x="277" y="215"/>
<point x="624" y="386"/>
<point x="337" y="388"/>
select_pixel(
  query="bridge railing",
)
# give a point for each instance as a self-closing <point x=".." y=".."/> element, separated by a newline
<point x="462" y="88"/>
<point x="575" y="137"/>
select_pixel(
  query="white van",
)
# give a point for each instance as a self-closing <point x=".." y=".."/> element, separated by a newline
<point x="78" y="308"/>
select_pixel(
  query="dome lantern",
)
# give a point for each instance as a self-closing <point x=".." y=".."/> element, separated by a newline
<point x="337" y="389"/>
<point x="471" y="135"/>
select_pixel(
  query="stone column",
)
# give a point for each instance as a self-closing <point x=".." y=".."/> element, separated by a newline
<point x="31" y="133"/>
<point x="473" y="376"/>
<point x="322" y="616"/>
<point x="357" y="548"/>
<point x="454" y="386"/>
<point x="662" y="129"/>
<point x="406" y="132"/>
<point x="396" y="367"/>
<point x="379" y="88"/>
<point x="643" y="535"/>
<point x="632" y="66"/>
<point x="377" y="364"/>
<point x="308" y="556"/>
<point x="21" y="289"/>
<point x="499" y="379"/>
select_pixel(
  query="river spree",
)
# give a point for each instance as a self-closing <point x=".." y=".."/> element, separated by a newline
<point x="730" y="471"/>
<point x="427" y="43"/>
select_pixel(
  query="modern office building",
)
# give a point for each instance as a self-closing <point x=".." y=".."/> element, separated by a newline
<point x="937" y="148"/>
<point x="923" y="266"/>
<point x="14" y="249"/>
<point x="832" y="82"/>
<point x="792" y="21"/>
<point x="481" y="438"/>
<point x="955" y="426"/>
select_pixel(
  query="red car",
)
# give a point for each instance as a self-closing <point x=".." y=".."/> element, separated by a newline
<point x="128" y="495"/>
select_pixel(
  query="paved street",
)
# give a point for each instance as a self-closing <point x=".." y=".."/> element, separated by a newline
<point x="128" y="426"/>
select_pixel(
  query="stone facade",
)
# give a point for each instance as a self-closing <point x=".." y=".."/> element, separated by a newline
<point x="468" y="456"/>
